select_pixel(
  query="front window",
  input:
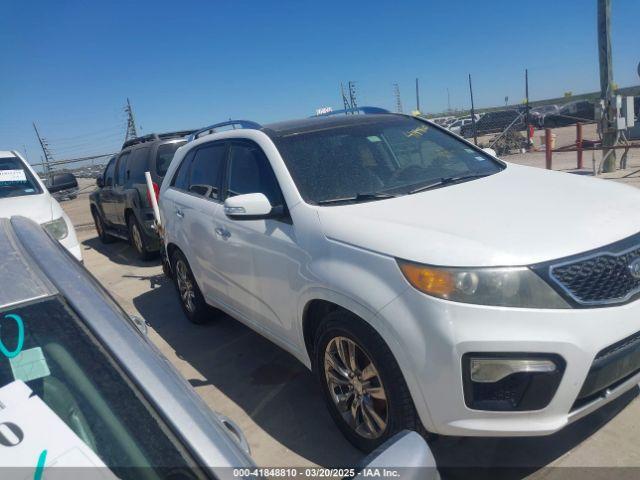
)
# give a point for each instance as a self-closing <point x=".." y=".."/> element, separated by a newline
<point x="376" y="158"/>
<point x="46" y="346"/>
<point x="15" y="179"/>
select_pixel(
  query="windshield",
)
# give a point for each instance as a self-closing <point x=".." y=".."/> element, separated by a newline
<point x="393" y="155"/>
<point x="78" y="381"/>
<point x="15" y="179"/>
<point x="165" y="155"/>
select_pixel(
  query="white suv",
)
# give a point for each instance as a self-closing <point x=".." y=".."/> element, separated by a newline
<point x="428" y="284"/>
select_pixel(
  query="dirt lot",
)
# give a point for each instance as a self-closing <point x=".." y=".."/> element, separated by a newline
<point x="277" y="403"/>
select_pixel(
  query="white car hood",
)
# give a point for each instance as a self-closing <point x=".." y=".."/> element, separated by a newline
<point x="36" y="207"/>
<point x="519" y="216"/>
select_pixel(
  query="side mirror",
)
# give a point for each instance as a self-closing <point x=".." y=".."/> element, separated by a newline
<point x="252" y="206"/>
<point x="62" y="181"/>
<point x="100" y="181"/>
<point x="140" y="324"/>
<point x="405" y="448"/>
<point x="490" y="151"/>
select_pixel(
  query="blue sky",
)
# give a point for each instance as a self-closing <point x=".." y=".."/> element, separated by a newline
<point x="69" y="66"/>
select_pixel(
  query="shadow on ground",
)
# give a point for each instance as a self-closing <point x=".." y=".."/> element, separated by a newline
<point x="119" y="252"/>
<point x="282" y="397"/>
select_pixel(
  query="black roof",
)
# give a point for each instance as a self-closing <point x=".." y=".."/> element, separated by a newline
<point x="154" y="137"/>
<point x="305" y="125"/>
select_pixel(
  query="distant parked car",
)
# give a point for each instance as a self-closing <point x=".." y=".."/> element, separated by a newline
<point x="456" y="126"/>
<point x="570" y="114"/>
<point x="22" y="192"/>
<point x="492" y="122"/>
<point x="120" y="206"/>
<point x="537" y="114"/>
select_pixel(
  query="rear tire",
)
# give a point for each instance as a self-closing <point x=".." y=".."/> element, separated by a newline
<point x="373" y="382"/>
<point x="137" y="238"/>
<point x="191" y="299"/>
<point x="100" y="228"/>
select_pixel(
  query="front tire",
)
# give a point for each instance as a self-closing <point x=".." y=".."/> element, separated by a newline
<point x="362" y="383"/>
<point x="100" y="228"/>
<point x="191" y="299"/>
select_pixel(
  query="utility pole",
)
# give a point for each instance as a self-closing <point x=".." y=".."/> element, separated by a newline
<point x="609" y="133"/>
<point x="417" y="96"/>
<point x="131" y="122"/>
<point x="473" y="113"/>
<point x="526" y="104"/>
<point x="448" y="101"/>
<point x="47" y="153"/>
<point x="396" y="92"/>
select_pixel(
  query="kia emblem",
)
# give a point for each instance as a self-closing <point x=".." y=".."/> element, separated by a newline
<point x="634" y="268"/>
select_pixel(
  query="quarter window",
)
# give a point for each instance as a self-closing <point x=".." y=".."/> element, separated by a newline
<point x="251" y="172"/>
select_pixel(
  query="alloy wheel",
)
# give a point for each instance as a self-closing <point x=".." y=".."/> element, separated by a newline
<point x="185" y="286"/>
<point x="356" y="388"/>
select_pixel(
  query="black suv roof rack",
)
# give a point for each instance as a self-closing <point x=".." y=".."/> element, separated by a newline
<point x="247" y="124"/>
<point x="354" y="111"/>
<point x="156" y="136"/>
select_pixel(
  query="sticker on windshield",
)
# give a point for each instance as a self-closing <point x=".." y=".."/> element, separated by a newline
<point x="480" y="159"/>
<point x="12" y="176"/>
<point x="417" y="132"/>
<point x="29" y="365"/>
<point x="468" y="150"/>
<point x="33" y="436"/>
<point x="374" y="139"/>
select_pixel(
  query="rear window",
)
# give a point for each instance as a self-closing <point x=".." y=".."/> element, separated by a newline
<point x="15" y="179"/>
<point x="165" y="155"/>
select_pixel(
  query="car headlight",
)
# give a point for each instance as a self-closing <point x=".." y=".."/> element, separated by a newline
<point x="503" y="287"/>
<point x="57" y="228"/>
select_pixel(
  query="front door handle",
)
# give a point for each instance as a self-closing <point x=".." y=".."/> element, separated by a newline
<point x="223" y="232"/>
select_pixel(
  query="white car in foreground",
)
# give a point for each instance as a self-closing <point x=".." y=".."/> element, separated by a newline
<point x="22" y="193"/>
<point x="427" y="283"/>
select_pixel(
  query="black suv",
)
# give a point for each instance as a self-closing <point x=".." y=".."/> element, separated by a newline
<point x="121" y="207"/>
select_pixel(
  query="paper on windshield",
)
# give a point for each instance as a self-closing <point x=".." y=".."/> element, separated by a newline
<point x="13" y="176"/>
<point x="28" y="426"/>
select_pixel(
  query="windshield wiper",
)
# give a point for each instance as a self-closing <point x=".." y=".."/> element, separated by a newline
<point x="448" y="181"/>
<point x="360" y="197"/>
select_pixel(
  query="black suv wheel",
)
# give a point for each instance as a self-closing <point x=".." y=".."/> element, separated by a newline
<point x="100" y="228"/>
<point x="137" y="238"/>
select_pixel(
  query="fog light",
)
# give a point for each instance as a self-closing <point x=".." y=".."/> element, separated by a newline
<point x="491" y="370"/>
<point x="510" y="381"/>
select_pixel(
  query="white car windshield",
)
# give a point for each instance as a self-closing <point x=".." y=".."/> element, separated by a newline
<point x="45" y="345"/>
<point x="376" y="158"/>
<point x="15" y="179"/>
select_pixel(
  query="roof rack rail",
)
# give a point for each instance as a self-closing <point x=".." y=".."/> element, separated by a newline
<point x="355" y="111"/>
<point x="156" y="136"/>
<point x="247" y="124"/>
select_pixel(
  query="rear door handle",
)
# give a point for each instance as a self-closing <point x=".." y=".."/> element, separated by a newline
<point x="179" y="213"/>
<point x="223" y="232"/>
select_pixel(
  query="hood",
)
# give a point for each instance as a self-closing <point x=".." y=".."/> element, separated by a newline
<point x="36" y="207"/>
<point x="519" y="216"/>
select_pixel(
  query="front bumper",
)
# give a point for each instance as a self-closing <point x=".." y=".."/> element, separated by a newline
<point x="429" y="337"/>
